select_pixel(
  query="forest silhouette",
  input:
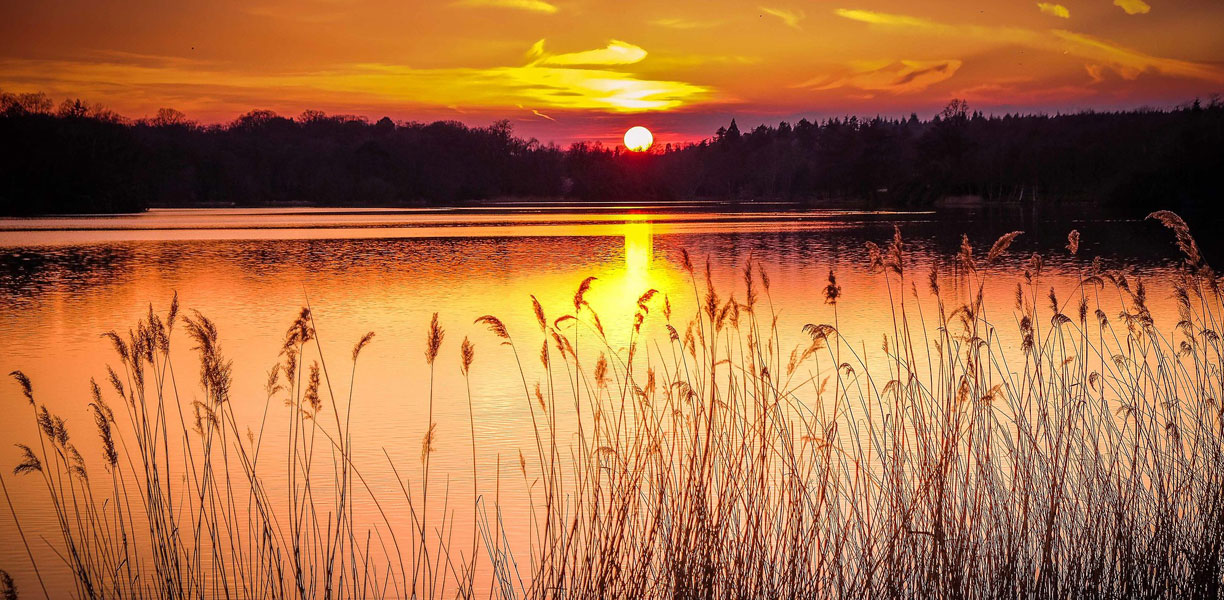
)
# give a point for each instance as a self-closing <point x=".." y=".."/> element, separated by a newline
<point x="77" y="157"/>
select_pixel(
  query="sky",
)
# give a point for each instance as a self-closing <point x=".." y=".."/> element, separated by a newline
<point x="567" y="70"/>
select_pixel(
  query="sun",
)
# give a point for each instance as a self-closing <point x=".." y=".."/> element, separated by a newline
<point x="638" y="139"/>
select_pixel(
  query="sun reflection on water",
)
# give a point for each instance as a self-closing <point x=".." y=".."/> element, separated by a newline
<point x="639" y="251"/>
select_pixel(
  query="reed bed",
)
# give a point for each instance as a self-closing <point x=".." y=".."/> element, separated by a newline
<point x="716" y="460"/>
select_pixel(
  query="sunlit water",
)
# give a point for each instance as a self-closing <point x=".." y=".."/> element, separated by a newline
<point x="64" y="281"/>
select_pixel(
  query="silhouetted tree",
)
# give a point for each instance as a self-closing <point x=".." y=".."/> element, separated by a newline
<point x="81" y="157"/>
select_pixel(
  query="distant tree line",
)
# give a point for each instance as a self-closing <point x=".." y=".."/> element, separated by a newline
<point x="79" y="157"/>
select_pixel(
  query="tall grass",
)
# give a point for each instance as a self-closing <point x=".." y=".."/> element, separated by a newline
<point x="712" y="461"/>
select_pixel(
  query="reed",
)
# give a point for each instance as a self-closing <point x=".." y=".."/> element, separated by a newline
<point x="722" y="462"/>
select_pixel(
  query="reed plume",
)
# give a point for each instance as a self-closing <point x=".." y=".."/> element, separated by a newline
<point x="312" y="390"/>
<point x="832" y="291"/>
<point x="580" y="295"/>
<point x="29" y="463"/>
<point x="685" y="262"/>
<point x="427" y="443"/>
<point x="539" y="313"/>
<point x="361" y="344"/>
<point x="433" y="341"/>
<point x="8" y="589"/>
<point x="1001" y="245"/>
<point x="26" y="389"/>
<point x="1185" y="241"/>
<point x="467" y="353"/>
<point x="497" y="327"/>
<point x="1089" y="465"/>
<point x="103" y="419"/>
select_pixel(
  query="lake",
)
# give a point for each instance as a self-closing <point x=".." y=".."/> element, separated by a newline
<point x="64" y="281"/>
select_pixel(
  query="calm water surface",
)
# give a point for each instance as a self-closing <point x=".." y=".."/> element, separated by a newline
<point x="64" y="281"/>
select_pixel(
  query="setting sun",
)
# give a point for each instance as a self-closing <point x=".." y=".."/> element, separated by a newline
<point x="638" y="139"/>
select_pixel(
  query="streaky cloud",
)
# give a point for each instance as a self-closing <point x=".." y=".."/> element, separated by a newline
<point x="878" y="18"/>
<point x="894" y="77"/>
<point x="1130" y="63"/>
<point x="615" y="53"/>
<point x="563" y="84"/>
<point x="790" y="17"/>
<point x="537" y="6"/>
<point x="1127" y="62"/>
<point x="676" y="23"/>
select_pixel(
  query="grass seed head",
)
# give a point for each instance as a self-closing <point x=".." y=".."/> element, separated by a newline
<point x="433" y="341"/>
<point x="361" y="344"/>
<point x="1001" y="245"/>
<point x="466" y="353"/>
<point x="27" y="389"/>
<point x="496" y="326"/>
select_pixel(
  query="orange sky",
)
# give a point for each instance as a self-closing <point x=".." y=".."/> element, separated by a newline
<point x="568" y="69"/>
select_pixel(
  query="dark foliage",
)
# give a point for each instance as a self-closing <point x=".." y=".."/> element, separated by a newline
<point x="83" y="158"/>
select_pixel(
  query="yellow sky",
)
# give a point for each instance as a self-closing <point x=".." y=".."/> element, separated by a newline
<point x="570" y="69"/>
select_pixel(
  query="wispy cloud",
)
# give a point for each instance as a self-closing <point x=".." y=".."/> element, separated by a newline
<point x="539" y="6"/>
<point x="894" y="77"/>
<point x="878" y="18"/>
<point x="546" y="81"/>
<point x="675" y="23"/>
<point x="615" y="53"/>
<point x="790" y="17"/>
<point x="537" y="113"/>
<point x="1127" y="62"/>
<point x="1131" y="63"/>
<point x="1056" y="10"/>
<point x="1133" y="7"/>
<point x="1021" y="90"/>
<point x="1095" y="73"/>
